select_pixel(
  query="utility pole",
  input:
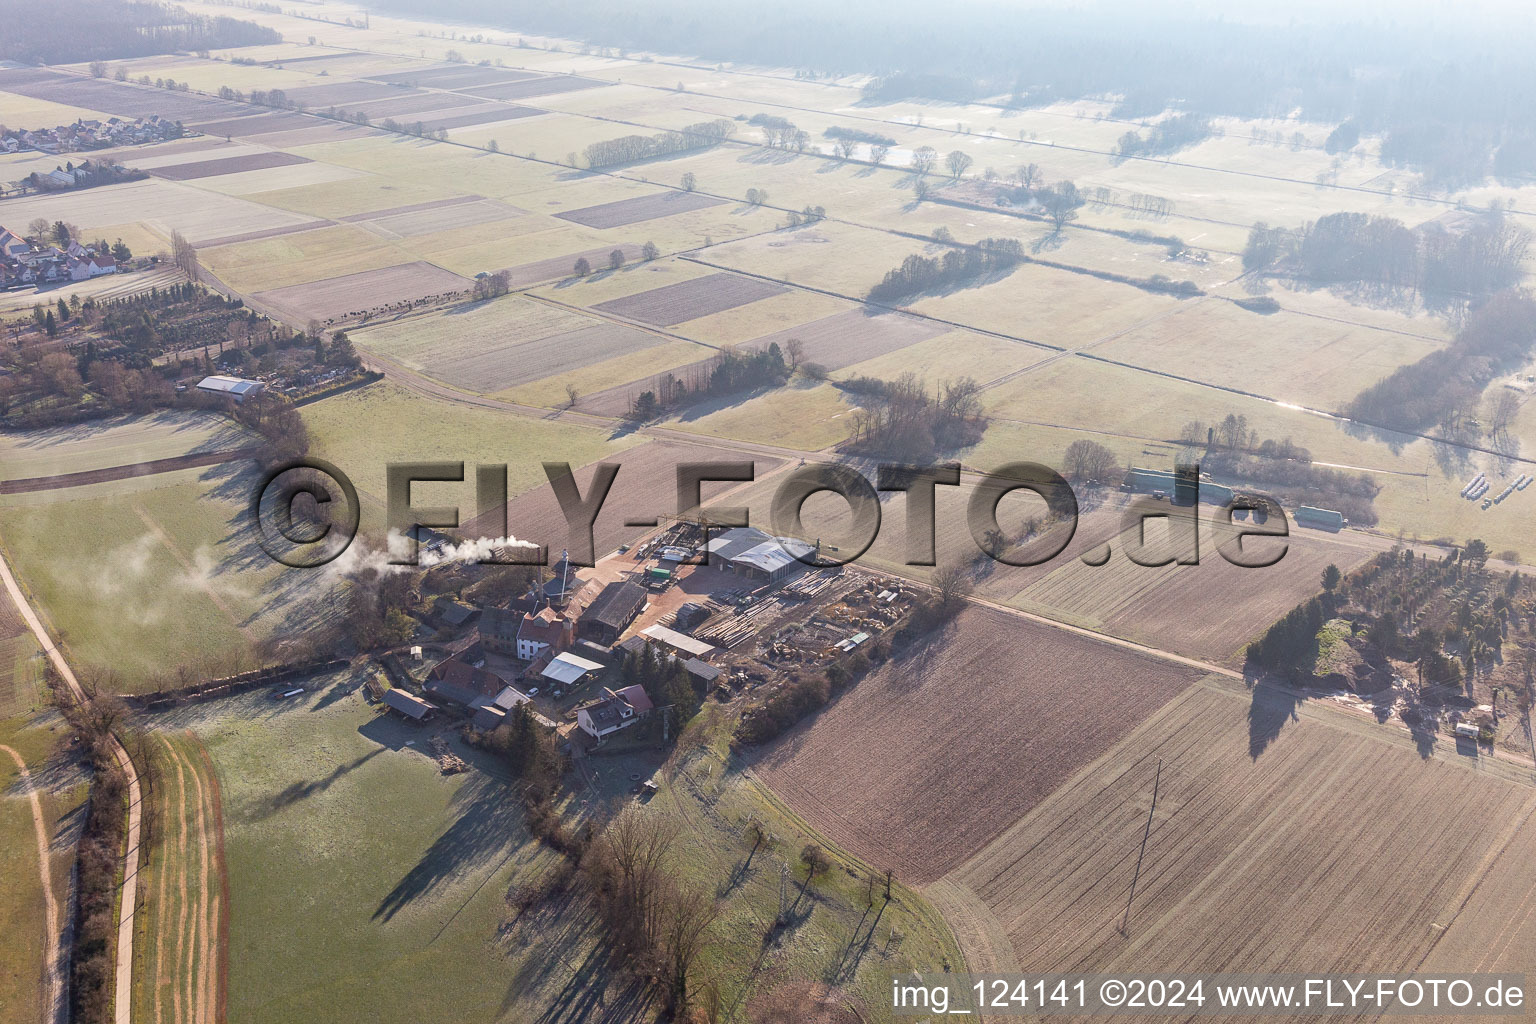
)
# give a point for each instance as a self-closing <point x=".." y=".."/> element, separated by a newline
<point x="1156" y="779"/>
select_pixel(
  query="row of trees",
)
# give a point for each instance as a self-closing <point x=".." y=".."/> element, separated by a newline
<point x="1178" y="132"/>
<point x="919" y="273"/>
<point x="730" y="372"/>
<point x="781" y="133"/>
<point x="903" y="419"/>
<point x="1282" y="468"/>
<point x="1445" y="388"/>
<point x="1358" y="248"/>
<point x="73" y="31"/>
<point x="631" y="148"/>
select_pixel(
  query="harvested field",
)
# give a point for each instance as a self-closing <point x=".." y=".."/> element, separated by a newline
<point x="947" y="356"/>
<point x="1210" y="610"/>
<point x="1318" y="361"/>
<point x="450" y="218"/>
<point x="318" y="132"/>
<point x="397" y="211"/>
<point x="546" y="86"/>
<point x="645" y="487"/>
<point x="346" y="92"/>
<point x="454" y="76"/>
<point x="495" y="345"/>
<point x="479" y="115"/>
<point x="901" y="788"/>
<point x="687" y="300"/>
<point x="228" y="165"/>
<point x="1284" y="838"/>
<point x="557" y="267"/>
<point x="853" y="336"/>
<point x="164" y="205"/>
<point x="149" y="158"/>
<point x="114" y="97"/>
<point x="258" y="124"/>
<point x="641" y="208"/>
<point x="406" y="104"/>
<point x="352" y="294"/>
<point x="256" y="236"/>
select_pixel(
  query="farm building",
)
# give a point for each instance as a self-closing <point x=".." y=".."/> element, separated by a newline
<point x="613" y="711"/>
<point x="498" y="629"/>
<point x="679" y="645"/>
<point x="494" y="712"/>
<point x="237" y="388"/>
<point x="566" y="670"/>
<point x="454" y="613"/>
<point x="409" y="705"/>
<point x="1148" y="481"/>
<point x="611" y="612"/>
<point x="751" y="552"/>
<point x="702" y="671"/>
<point x="456" y="672"/>
<point x="563" y="588"/>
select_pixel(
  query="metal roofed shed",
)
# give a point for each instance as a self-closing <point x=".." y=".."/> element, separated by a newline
<point x="567" y="669"/>
<point x="408" y="704"/>
<point x="751" y="552"/>
<point x="679" y="643"/>
<point x="237" y="388"/>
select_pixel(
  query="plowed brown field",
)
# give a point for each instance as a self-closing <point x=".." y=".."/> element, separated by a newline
<point x="926" y="760"/>
<point x="1284" y="839"/>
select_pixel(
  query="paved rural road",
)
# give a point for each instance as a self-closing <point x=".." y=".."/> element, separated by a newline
<point x="126" y="921"/>
<point x="51" y="924"/>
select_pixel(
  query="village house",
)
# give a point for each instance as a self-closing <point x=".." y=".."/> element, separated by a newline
<point x="462" y="683"/>
<point x="91" y="133"/>
<point x="545" y="630"/>
<point x="22" y="263"/>
<point x="615" y="710"/>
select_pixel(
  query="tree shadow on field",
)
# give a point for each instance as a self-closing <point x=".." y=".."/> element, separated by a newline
<point x="586" y="995"/>
<point x="298" y="792"/>
<point x="1272" y="707"/>
<point x="488" y="824"/>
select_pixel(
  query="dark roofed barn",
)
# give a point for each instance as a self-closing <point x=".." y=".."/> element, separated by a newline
<point x="612" y="612"/>
<point x="409" y="705"/>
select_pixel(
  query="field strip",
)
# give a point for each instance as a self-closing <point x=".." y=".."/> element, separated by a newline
<point x="183" y="887"/>
<point x="136" y="469"/>
<point x="981" y="936"/>
<point x="198" y="971"/>
<point x="163" y="871"/>
<point x="128" y="906"/>
<point x="191" y="570"/>
<point x="218" y="973"/>
<point x="874" y="305"/>
<point x="51" y="926"/>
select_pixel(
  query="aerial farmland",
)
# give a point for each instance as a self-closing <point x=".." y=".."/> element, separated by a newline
<point x="568" y="517"/>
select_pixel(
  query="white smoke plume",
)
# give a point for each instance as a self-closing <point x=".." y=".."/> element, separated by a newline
<point x="363" y="557"/>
